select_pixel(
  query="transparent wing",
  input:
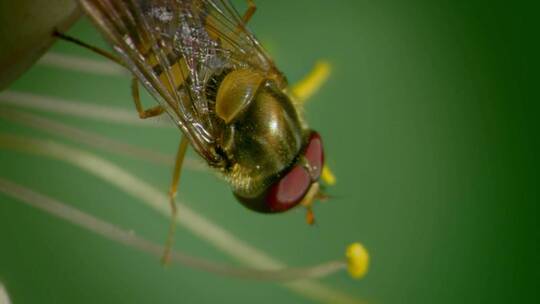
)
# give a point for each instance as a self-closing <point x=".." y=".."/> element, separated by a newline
<point x="176" y="48"/>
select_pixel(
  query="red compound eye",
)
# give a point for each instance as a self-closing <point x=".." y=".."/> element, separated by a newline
<point x="315" y="154"/>
<point x="291" y="188"/>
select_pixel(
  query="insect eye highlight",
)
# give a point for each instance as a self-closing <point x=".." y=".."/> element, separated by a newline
<point x="314" y="154"/>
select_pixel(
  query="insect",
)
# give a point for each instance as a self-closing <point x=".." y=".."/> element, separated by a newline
<point x="210" y="74"/>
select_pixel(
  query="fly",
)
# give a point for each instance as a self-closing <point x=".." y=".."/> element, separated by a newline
<point x="210" y="74"/>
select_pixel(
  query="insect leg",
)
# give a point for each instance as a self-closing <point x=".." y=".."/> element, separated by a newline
<point x="307" y="202"/>
<point x="88" y="46"/>
<point x="310" y="216"/>
<point x="312" y="82"/>
<point x="249" y="11"/>
<point x="172" y="195"/>
<point x="153" y="111"/>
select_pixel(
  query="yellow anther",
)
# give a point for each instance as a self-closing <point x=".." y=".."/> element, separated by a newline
<point x="306" y="87"/>
<point x="327" y="176"/>
<point x="357" y="260"/>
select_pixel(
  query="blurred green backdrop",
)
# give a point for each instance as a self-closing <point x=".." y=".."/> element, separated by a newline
<point x="428" y="122"/>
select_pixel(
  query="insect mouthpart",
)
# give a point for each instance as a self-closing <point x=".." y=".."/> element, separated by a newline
<point x="294" y="183"/>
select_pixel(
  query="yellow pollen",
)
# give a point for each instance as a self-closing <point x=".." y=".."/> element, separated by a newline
<point x="357" y="260"/>
<point x="327" y="176"/>
<point x="312" y="82"/>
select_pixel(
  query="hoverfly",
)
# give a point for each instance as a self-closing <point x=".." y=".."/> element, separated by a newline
<point x="210" y="74"/>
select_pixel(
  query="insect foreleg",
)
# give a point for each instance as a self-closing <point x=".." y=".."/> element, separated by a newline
<point x="153" y="111"/>
<point x="173" y="189"/>
<point x="249" y="11"/>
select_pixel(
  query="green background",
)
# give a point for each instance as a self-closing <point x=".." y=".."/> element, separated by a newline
<point x="428" y="122"/>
